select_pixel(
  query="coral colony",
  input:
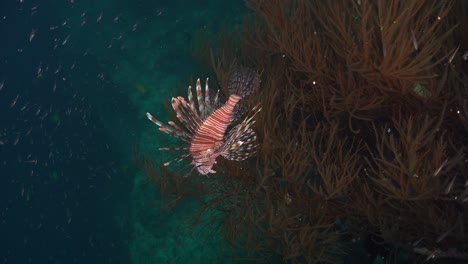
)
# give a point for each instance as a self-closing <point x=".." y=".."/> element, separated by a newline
<point x="361" y="141"/>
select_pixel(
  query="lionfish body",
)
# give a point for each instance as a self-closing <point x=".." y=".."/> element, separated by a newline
<point x="205" y="128"/>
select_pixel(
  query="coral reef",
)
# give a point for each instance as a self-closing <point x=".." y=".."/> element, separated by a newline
<point x="362" y="139"/>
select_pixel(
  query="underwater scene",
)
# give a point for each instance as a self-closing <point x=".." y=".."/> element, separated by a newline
<point x="240" y="131"/>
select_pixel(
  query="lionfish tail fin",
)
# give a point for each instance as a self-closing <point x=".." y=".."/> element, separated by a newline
<point x="243" y="82"/>
<point x="240" y="141"/>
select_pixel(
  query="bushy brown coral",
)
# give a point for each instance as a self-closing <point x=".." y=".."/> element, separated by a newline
<point x="362" y="137"/>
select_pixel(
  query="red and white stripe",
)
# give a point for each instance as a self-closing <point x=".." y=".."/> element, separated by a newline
<point x="211" y="132"/>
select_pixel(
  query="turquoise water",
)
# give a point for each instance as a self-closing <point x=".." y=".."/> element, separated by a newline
<point x="77" y="78"/>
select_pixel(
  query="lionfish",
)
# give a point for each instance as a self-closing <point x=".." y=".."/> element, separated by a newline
<point x="204" y="129"/>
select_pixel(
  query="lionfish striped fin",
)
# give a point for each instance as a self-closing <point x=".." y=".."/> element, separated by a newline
<point x="174" y="125"/>
<point x="174" y="148"/>
<point x="186" y="115"/>
<point x="178" y="159"/>
<point x="190" y="114"/>
<point x="215" y="101"/>
<point x="243" y="146"/>
<point x="207" y="95"/>
<point x="190" y="98"/>
<point x="201" y="103"/>
<point x="205" y="106"/>
<point x="243" y="82"/>
<point x="248" y="121"/>
<point x="173" y="131"/>
<point x="240" y="141"/>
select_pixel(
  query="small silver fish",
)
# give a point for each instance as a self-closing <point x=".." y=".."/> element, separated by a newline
<point x="32" y="34"/>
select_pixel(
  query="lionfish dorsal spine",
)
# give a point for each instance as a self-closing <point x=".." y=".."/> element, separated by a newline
<point x="201" y="103"/>
<point x="190" y="98"/>
<point x="207" y="96"/>
<point x="215" y="100"/>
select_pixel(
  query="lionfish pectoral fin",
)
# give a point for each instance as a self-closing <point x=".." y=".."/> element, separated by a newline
<point x="171" y="129"/>
<point x="241" y="149"/>
<point x="174" y="148"/>
<point x="240" y="141"/>
<point x="162" y="127"/>
<point x="237" y="144"/>
<point x="178" y="159"/>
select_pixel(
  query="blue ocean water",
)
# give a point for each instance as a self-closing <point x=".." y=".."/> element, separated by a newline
<point x="76" y="78"/>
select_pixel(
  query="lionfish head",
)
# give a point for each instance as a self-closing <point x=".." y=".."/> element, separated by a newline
<point x="205" y="129"/>
<point x="205" y="165"/>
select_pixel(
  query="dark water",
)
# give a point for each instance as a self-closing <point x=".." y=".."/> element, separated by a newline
<point x="76" y="78"/>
